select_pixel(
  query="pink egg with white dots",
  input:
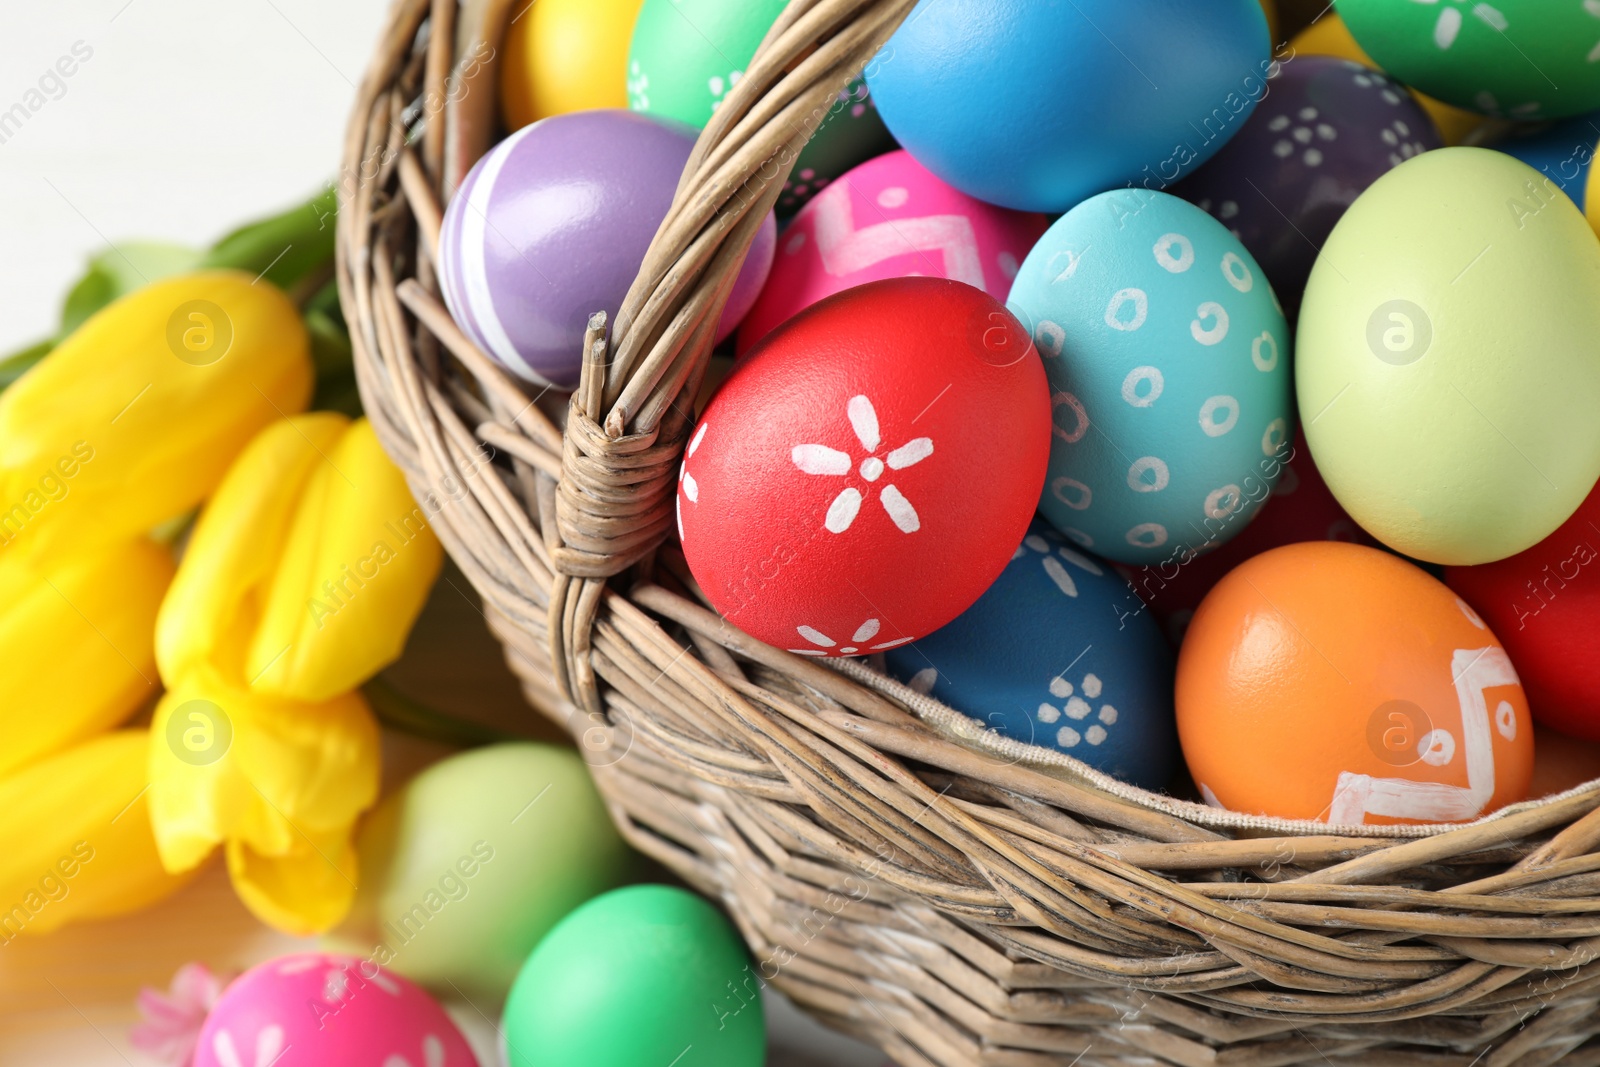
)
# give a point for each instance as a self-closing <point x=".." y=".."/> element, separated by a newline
<point x="889" y="218"/>
<point x="315" y="1009"/>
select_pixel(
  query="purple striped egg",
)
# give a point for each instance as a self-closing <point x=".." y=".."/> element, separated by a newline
<point x="551" y="225"/>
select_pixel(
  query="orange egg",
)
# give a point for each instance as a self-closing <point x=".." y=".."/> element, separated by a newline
<point x="1337" y="682"/>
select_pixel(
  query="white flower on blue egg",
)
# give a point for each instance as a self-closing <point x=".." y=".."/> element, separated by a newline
<point x="1076" y="708"/>
<point x="1053" y="655"/>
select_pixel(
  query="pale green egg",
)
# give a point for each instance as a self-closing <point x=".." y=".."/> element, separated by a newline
<point x="1448" y="358"/>
<point x="465" y="867"/>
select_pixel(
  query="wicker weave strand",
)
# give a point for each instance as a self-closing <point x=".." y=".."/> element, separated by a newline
<point x="902" y="877"/>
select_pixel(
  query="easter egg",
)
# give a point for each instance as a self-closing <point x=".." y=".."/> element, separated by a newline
<point x="1515" y="59"/>
<point x="1563" y="153"/>
<point x="1328" y="36"/>
<point x="650" y="974"/>
<point x="1058" y="652"/>
<point x="889" y="218"/>
<point x="1446" y="371"/>
<point x="687" y="55"/>
<point x="1328" y="129"/>
<point x="1168" y="359"/>
<point x="314" y="1009"/>
<point x="551" y="226"/>
<point x="1545" y="605"/>
<point x="1342" y="684"/>
<point x="1037" y="106"/>
<point x="1299" y="508"/>
<point x="1560" y="762"/>
<point x="565" y="55"/>
<point x="866" y="471"/>
<point x="465" y="867"/>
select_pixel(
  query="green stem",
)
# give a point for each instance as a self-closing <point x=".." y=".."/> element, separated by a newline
<point x="398" y="711"/>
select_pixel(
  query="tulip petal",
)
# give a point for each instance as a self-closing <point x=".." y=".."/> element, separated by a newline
<point x="75" y="842"/>
<point x="75" y="635"/>
<point x="228" y="764"/>
<point x="306" y="890"/>
<point x="353" y="576"/>
<point x="214" y="606"/>
<point x="134" y="418"/>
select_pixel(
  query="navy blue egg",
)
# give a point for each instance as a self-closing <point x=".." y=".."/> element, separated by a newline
<point x="1061" y="653"/>
<point x="1037" y="104"/>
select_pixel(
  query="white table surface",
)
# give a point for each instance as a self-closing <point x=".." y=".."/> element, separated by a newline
<point x="188" y="117"/>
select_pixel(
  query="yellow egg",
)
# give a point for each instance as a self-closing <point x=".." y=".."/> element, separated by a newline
<point x="566" y="55"/>
<point x="1328" y="36"/>
<point x="1446" y="360"/>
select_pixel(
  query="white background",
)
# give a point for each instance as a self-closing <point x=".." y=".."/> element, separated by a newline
<point x="190" y="117"/>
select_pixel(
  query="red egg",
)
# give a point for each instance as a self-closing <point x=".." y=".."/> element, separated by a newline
<point x="867" y="471"/>
<point x="1544" y="603"/>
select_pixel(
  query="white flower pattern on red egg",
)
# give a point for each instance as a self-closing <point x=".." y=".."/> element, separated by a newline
<point x="823" y="461"/>
<point x="825" y="644"/>
<point x="686" y="482"/>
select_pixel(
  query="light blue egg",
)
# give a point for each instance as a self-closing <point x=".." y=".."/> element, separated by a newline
<point x="1169" y="366"/>
<point x="1061" y="653"/>
<point x="1035" y="105"/>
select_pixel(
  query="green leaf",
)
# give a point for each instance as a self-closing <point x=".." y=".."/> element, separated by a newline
<point x="19" y="363"/>
<point x="283" y="248"/>
<point x="118" y="271"/>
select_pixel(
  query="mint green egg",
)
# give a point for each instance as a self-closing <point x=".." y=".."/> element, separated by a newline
<point x="648" y="975"/>
<point x="1448" y="358"/>
<point x="687" y="55"/>
<point x="465" y="867"/>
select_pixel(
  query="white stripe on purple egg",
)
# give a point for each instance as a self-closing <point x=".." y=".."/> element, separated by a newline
<point x="473" y="303"/>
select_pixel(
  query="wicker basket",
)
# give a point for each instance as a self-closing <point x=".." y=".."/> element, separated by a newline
<point x="953" y="897"/>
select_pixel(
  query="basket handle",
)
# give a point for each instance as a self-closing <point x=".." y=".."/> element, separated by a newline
<point x="629" y="418"/>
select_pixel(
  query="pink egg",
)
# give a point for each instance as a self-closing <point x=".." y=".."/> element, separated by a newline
<point x="889" y="218"/>
<point x="320" y="1010"/>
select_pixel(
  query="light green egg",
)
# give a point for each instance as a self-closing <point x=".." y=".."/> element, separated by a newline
<point x="469" y="864"/>
<point x="1448" y="358"/>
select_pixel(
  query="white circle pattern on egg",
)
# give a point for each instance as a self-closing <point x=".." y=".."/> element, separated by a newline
<point x="1159" y="308"/>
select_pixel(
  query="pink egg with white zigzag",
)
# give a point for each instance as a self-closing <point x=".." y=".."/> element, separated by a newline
<point x="315" y="1009"/>
<point x="889" y="218"/>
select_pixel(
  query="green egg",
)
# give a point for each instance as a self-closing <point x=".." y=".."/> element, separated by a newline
<point x="687" y="54"/>
<point x="1515" y="59"/>
<point x="1447" y="362"/>
<point x="469" y="864"/>
<point x="646" y="975"/>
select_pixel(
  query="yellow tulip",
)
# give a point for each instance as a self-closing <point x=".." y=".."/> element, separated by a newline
<point x="307" y="568"/>
<point x="135" y="417"/>
<point x="280" y="783"/>
<point x="75" y="842"/>
<point x="355" y="572"/>
<point x="214" y="607"/>
<point x="76" y="638"/>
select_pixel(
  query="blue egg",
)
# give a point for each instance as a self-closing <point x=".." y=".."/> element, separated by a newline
<point x="1061" y="653"/>
<point x="1036" y="105"/>
<point x="1564" y="153"/>
<point x="1168" y="359"/>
